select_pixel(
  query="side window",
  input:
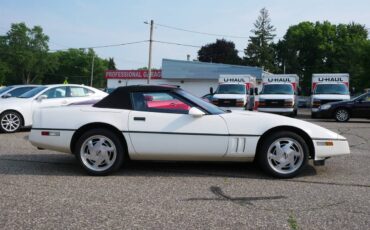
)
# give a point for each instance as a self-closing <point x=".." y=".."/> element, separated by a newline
<point x="58" y="92"/>
<point x="19" y="91"/>
<point x="80" y="92"/>
<point x="159" y="102"/>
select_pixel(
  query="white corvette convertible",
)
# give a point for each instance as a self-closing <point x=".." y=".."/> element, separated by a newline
<point x="167" y="123"/>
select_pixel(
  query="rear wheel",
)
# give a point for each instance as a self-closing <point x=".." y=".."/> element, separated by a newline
<point x="342" y="115"/>
<point x="283" y="154"/>
<point x="10" y="122"/>
<point x="100" y="152"/>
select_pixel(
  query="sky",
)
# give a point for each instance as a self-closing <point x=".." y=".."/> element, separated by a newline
<point x="88" y="23"/>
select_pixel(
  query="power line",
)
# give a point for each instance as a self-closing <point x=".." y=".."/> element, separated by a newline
<point x="178" y="44"/>
<point x="103" y="46"/>
<point x="198" y="32"/>
<point x="187" y="45"/>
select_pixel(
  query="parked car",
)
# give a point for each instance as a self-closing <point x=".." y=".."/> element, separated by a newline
<point x="123" y="126"/>
<point x="15" y="90"/>
<point x="17" y="112"/>
<point x="342" y="111"/>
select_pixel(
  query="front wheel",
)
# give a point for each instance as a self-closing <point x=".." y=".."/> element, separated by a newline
<point x="283" y="154"/>
<point x="10" y="122"/>
<point x="342" y="115"/>
<point x="100" y="152"/>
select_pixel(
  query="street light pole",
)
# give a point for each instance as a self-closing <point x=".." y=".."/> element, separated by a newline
<point x="150" y="52"/>
<point x="92" y="70"/>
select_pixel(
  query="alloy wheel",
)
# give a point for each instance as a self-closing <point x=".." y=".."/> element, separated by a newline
<point x="98" y="153"/>
<point x="285" y="155"/>
<point x="10" y="122"/>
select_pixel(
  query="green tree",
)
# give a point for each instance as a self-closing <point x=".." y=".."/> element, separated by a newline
<point x="324" y="48"/>
<point x="111" y="64"/>
<point x="25" y="52"/>
<point x="221" y="51"/>
<point x="75" y="65"/>
<point x="260" y="50"/>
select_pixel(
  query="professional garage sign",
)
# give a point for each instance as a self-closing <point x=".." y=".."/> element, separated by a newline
<point x="132" y="74"/>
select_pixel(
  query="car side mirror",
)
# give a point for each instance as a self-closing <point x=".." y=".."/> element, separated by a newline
<point x="195" y="112"/>
<point x="211" y="90"/>
<point x="7" y="95"/>
<point x="41" y="97"/>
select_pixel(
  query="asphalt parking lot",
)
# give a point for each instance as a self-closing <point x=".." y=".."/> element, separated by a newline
<point x="48" y="190"/>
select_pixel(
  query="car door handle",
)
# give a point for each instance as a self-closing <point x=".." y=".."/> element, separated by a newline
<point x="139" y="118"/>
<point x="64" y="102"/>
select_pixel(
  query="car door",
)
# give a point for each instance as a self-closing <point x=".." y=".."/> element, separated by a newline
<point x="361" y="107"/>
<point x="55" y="96"/>
<point x="168" y="132"/>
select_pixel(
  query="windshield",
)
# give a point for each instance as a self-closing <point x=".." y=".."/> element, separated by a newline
<point x="277" y="89"/>
<point x="362" y="96"/>
<point x="3" y="90"/>
<point x="211" y="108"/>
<point x="32" y="93"/>
<point x="331" y="89"/>
<point x="230" y="89"/>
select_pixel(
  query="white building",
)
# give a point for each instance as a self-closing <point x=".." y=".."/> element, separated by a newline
<point x="193" y="76"/>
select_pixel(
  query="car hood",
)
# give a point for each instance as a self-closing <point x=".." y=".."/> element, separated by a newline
<point x="257" y="123"/>
<point x="13" y="101"/>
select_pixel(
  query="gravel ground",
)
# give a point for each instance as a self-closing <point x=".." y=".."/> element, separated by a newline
<point x="48" y="190"/>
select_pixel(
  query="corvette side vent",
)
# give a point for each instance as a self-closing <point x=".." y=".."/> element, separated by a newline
<point x="238" y="145"/>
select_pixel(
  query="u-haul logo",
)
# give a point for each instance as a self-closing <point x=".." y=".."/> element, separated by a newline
<point x="337" y="79"/>
<point x="234" y="80"/>
<point x="284" y="80"/>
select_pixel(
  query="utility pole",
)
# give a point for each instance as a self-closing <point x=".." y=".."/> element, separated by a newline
<point x="150" y="52"/>
<point x="92" y="70"/>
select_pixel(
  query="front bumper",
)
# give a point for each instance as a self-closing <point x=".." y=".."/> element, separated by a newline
<point x="276" y="110"/>
<point x="232" y="108"/>
<point x="323" y="151"/>
<point x="323" y="113"/>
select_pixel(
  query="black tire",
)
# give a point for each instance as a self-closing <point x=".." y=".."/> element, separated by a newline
<point x="16" y="120"/>
<point x="313" y="115"/>
<point x="342" y="115"/>
<point x="114" y="140"/>
<point x="269" y="165"/>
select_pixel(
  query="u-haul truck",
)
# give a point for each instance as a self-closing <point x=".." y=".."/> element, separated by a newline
<point x="235" y="92"/>
<point x="328" y="87"/>
<point x="279" y="94"/>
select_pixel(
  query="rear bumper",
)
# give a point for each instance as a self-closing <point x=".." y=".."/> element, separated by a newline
<point x="323" y="151"/>
<point x="60" y="141"/>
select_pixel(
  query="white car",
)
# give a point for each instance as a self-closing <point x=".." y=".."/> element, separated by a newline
<point x="167" y="123"/>
<point x="16" y="112"/>
<point x="15" y="90"/>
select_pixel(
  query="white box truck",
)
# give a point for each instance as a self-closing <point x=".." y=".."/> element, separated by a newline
<point x="279" y="94"/>
<point x="328" y="87"/>
<point x="235" y="92"/>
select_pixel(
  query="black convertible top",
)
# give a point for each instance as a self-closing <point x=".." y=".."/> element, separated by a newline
<point x="120" y="97"/>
